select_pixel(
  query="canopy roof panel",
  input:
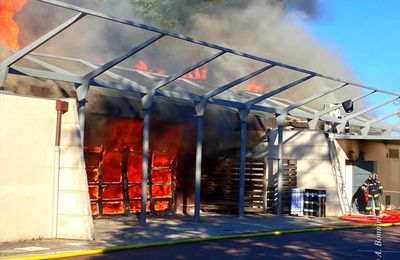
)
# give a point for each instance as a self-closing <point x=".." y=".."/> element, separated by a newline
<point x="154" y="62"/>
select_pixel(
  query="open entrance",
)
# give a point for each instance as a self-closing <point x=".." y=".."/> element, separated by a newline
<point x="115" y="181"/>
<point x="113" y="156"/>
<point x="361" y="171"/>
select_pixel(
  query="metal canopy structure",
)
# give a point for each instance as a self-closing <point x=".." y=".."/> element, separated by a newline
<point x="174" y="87"/>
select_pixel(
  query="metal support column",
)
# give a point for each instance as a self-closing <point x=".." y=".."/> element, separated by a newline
<point x="82" y="109"/>
<point x="3" y="76"/>
<point x="5" y="65"/>
<point x="145" y="165"/>
<point x="199" y="148"/>
<point x="243" y="126"/>
<point x="243" y="114"/>
<point x="81" y="93"/>
<point x="280" y="122"/>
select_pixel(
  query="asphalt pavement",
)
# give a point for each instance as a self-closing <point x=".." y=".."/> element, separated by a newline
<point x="118" y="233"/>
<point x="366" y="243"/>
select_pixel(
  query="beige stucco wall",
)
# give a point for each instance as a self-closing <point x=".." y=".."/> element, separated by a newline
<point x="314" y="171"/>
<point x="74" y="212"/>
<point x="27" y="172"/>
<point x="388" y="169"/>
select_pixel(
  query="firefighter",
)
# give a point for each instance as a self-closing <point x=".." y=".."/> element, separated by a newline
<point x="374" y="189"/>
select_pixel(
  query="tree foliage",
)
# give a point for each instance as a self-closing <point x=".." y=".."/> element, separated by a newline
<point x="171" y="13"/>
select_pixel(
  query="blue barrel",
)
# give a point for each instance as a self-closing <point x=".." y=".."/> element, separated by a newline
<point x="322" y="203"/>
<point x="297" y="202"/>
<point x="311" y="202"/>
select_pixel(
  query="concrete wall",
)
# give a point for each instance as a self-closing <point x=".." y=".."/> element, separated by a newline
<point x="27" y="172"/>
<point x="388" y="169"/>
<point x="314" y="170"/>
<point x="74" y="212"/>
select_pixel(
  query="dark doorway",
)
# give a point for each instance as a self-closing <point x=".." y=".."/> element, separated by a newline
<point x="361" y="171"/>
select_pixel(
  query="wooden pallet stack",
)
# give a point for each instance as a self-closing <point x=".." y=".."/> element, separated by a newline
<point x="220" y="185"/>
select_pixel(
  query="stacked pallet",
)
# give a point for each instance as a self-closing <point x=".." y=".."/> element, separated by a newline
<point x="220" y="185"/>
<point x="289" y="181"/>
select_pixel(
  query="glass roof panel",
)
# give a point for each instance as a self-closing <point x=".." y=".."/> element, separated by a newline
<point x="94" y="40"/>
<point x="338" y="96"/>
<point x="32" y="63"/>
<point x="381" y="103"/>
<point x="263" y="83"/>
<point x="72" y="65"/>
<point x="167" y="56"/>
<point x="215" y="74"/>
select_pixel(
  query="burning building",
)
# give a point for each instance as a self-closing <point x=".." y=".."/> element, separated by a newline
<point x="98" y="133"/>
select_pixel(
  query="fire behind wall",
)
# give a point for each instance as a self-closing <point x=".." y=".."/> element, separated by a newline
<point x="114" y="165"/>
<point x="113" y="153"/>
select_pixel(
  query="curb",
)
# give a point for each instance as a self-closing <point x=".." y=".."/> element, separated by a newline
<point x="195" y="240"/>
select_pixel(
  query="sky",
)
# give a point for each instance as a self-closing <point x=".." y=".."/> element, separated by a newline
<point x="366" y="34"/>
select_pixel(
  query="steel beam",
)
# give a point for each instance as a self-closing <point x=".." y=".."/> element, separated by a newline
<point x="175" y="76"/>
<point x="254" y="101"/>
<point x="82" y="113"/>
<point x="365" y="130"/>
<point x="3" y="76"/>
<point x="124" y="84"/>
<point x="368" y="109"/>
<point x="145" y="166"/>
<point x="199" y="149"/>
<point x="280" y="120"/>
<point x="133" y="86"/>
<point x="339" y="105"/>
<point x="267" y="109"/>
<point x="243" y="114"/>
<point x="312" y="98"/>
<point x="40" y="41"/>
<point x="364" y="111"/>
<point x="390" y="129"/>
<point x="48" y="66"/>
<point x="236" y="82"/>
<point x="314" y="121"/>
<point x="203" y="43"/>
<point x="34" y="45"/>
<point x="101" y="69"/>
<point x="45" y="74"/>
<point x="81" y="92"/>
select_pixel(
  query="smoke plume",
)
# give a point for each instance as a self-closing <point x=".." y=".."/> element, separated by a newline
<point x="269" y="31"/>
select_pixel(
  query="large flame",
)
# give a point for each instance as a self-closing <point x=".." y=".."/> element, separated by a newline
<point x="122" y="152"/>
<point x="9" y="29"/>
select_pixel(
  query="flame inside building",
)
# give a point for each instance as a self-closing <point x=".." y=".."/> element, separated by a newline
<point x="114" y="167"/>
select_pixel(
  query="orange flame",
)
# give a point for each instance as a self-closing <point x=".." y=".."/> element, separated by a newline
<point x="254" y="86"/>
<point x="122" y="152"/>
<point x="9" y="29"/>
<point x="197" y="74"/>
<point x="141" y="65"/>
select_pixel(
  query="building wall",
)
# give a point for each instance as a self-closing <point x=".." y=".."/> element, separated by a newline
<point x="388" y="169"/>
<point x="74" y="212"/>
<point x="27" y="172"/>
<point x="314" y="170"/>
